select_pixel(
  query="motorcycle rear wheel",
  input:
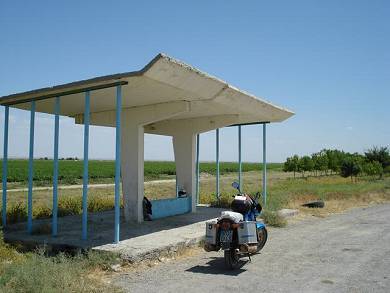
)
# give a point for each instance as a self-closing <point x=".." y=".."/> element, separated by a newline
<point x="231" y="259"/>
<point x="262" y="236"/>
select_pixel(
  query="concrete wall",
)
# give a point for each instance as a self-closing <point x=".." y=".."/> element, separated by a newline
<point x="171" y="207"/>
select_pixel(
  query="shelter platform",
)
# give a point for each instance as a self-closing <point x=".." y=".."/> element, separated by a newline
<point x="138" y="241"/>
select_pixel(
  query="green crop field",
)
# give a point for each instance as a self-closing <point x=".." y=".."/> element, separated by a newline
<point x="71" y="171"/>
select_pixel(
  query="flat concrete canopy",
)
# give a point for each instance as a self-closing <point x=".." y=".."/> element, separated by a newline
<point x="166" y="97"/>
<point x="189" y="92"/>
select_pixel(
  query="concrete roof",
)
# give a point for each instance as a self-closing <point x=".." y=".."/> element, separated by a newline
<point x="163" y="80"/>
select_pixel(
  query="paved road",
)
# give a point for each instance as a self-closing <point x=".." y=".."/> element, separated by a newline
<point x="342" y="253"/>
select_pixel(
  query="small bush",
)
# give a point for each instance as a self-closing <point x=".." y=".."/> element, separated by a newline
<point x="273" y="219"/>
<point x="100" y="204"/>
<point x="224" y="200"/>
<point x="17" y="213"/>
<point x="41" y="212"/>
<point x="69" y="206"/>
<point x="100" y="259"/>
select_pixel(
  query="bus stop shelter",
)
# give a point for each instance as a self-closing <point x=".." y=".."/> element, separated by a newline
<point x="166" y="97"/>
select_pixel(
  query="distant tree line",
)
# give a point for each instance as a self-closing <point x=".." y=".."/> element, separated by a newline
<point x="61" y="159"/>
<point x="374" y="162"/>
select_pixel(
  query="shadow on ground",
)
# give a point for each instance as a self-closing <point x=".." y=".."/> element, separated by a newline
<point x="216" y="266"/>
<point x="100" y="229"/>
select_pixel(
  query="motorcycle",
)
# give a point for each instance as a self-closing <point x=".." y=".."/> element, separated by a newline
<point x="238" y="233"/>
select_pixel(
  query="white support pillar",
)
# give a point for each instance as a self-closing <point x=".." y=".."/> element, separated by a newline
<point x="184" y="145"/>
<point x="132" y="166"/>
<point x="132" y="148"/>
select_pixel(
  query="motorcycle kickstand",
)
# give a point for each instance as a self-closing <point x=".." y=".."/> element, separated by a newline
<point x="250" y="260"/>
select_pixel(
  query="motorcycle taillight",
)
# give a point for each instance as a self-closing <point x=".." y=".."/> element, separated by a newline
<point x="225" y="225"/>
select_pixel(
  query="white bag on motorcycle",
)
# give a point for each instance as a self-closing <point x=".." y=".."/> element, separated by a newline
<point x="247" y="233"/>
<point x="211" y="232"/>
<point x="233" y="216"/>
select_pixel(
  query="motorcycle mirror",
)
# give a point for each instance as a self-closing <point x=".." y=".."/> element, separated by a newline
<point x="236" y="185"/>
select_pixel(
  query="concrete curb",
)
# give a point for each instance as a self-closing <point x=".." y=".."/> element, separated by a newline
<point x="161" y="252"/>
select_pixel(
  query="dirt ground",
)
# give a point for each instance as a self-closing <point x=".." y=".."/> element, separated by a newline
<point x="345" y="252"/>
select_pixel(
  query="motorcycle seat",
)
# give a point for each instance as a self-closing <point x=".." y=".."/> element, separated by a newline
<point x="233" y="216"/>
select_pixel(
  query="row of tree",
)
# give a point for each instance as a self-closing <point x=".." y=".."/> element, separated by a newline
<point x="374" y="162"/>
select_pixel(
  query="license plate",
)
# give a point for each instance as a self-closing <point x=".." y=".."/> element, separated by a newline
<point x="226" y="236"/>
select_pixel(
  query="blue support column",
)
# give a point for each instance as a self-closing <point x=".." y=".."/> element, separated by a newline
<point x="85" y="175"/>
<point x="30" y="169"/>
<point x="118" y="161"/>
<point x="264" y="164"/>
<point x="239" y="158"/>
<point x="217" y="162"/>
<point x="5" y="166"/>
<point x="197" y="169"/>
<point x="54" y="227"/>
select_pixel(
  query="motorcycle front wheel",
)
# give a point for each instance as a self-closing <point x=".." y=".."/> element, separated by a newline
<point x="262" y="236"/>
<point x="231" y="258"/>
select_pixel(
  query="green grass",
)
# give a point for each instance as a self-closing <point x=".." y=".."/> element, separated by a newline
<point x="68" y="205"/>
<point x="283" y="192"/>
<point x="71" y="172"/>
<point x="324" y="188"/>
<point x="36" y="272"/>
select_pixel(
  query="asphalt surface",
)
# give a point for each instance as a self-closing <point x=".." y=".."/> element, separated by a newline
<point x="348" y="252"/>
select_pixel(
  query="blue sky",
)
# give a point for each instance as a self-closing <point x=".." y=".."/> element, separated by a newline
<point x="328" y="61"/>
